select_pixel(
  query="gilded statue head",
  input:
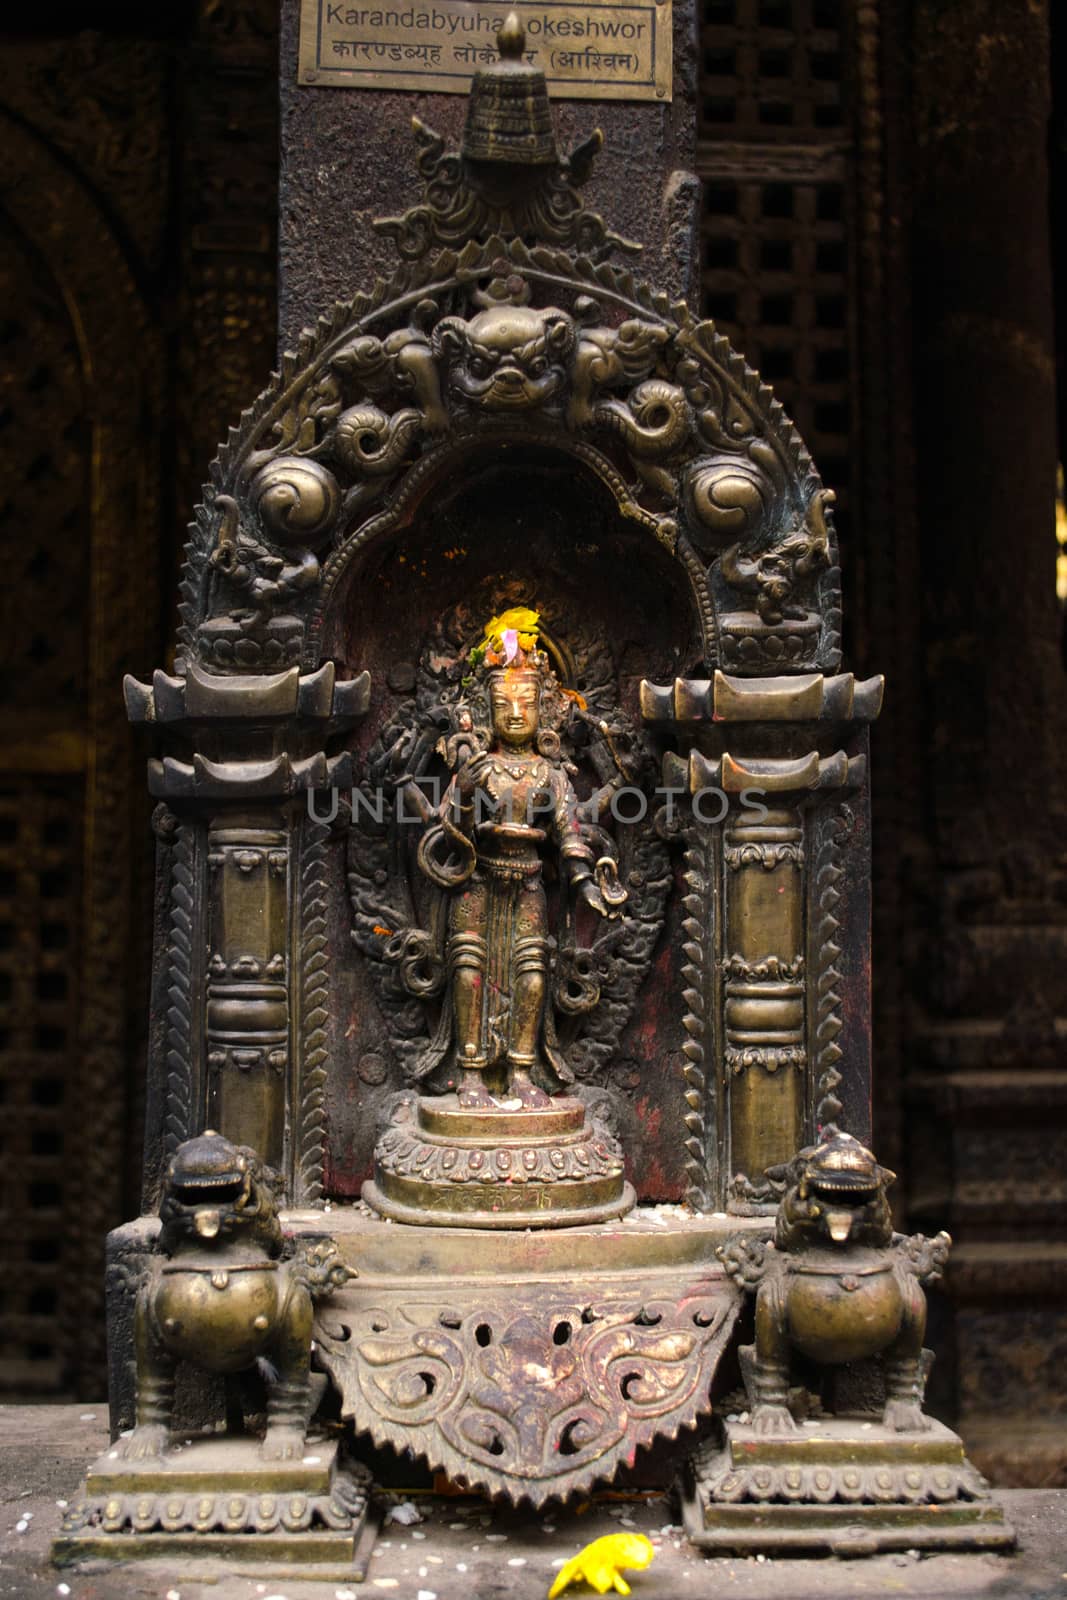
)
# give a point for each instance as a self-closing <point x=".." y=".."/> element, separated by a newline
<point x="515" y="704"/>
<point x="524" y="703"/>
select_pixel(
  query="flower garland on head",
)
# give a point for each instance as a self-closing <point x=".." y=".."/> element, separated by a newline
<point x="510" y="640"/>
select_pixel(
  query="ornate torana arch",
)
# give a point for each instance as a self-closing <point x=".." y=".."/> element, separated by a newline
<point x="499" y="341"/>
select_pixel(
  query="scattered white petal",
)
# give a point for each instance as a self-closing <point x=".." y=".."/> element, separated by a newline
<point x="87" y="1416"/>
<point x="458" y="1527"/>
<point x="405" y="1513"/>
<point x="627" y="1522"/>
<point x="62" y="1588"/>
<point x="27" y="1516"/>
<point x="424" y="1572"/>
<point x="344" y="1594"/>
<point x="427" y="1594"/>
<point x="311" y="1461"/>
<point x="22" y="1527"/>
<point x="174" y="1594"/>
<point x="386" y="1583"/>
<point x="560" y="1561"/>
<point x="415" y="1534"/>
<point x="461" y="1566"/>
<point x="62" y="1504"/>
<point x="112" y="1455"/>
<point x="496" y="1538"/>
<point x="436" y="1561"/>
<point x="517" y="1561"/>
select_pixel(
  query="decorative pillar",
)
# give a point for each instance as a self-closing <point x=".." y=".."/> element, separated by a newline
<point x="763" y="970"/>
<point x="765" y="930"/>
<point x="247" y="994"/>
<point x="239" y="814"/>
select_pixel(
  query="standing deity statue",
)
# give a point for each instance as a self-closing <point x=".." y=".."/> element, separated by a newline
<point x="509" y="796"/>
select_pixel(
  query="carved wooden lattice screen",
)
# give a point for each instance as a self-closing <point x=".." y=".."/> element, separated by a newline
<point x="774" y="139"/>
<point x="152" y="205"/>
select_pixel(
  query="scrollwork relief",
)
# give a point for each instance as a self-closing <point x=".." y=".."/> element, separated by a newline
<point x="473" y="344"/>
<point x="526" y="1391"/>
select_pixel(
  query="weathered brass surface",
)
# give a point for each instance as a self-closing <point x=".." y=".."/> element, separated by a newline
<point x="588" y="49"/>
<point x="221" y="1296"/>
<point x="215" y="1498"/>
<point x="843" y="1486"/>
<point x="221" y="1293"/>
<point x="837" y="1286"/>
<point x="432" y="520"/>
<point x="441" y="1164"/>
<point x="516" y="1365"/>
<point x="500" y="1150"/>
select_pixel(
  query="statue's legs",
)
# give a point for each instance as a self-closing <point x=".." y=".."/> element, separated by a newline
<point x="529" y="987"/>
<point x="468" y="963"/>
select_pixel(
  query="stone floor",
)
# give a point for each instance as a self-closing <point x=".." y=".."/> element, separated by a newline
<point x="463" y="1550"/>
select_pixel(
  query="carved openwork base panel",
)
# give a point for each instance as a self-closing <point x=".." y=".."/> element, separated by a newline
<point x="843" y="1486"/>
<point x="531" y="1366"/>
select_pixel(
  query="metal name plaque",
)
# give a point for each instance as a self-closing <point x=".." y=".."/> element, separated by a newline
<point x="587" y="49"/>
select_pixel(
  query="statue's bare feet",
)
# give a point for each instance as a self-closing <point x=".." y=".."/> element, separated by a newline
<point x="526" y="1091"/>
<point x="768" y="1418"/>
<point x="472" y="1093"/>
<point x="905" y="1416"/>
<point x="145" y="1443"/>
<point x="283" y="1442"/>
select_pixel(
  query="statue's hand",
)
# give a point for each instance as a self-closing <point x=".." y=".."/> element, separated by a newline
<point x="591" y="893"/>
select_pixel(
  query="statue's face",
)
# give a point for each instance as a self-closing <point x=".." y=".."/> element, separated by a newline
<point x="515" y="697"/>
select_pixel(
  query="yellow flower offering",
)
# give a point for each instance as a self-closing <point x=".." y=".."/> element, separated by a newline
<point x="508" y="634"/>
<point x="598" y="1564"/>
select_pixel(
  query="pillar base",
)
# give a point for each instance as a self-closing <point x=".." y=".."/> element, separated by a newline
<point x="218" y="1497"/>
<point x="844" y="1486"/>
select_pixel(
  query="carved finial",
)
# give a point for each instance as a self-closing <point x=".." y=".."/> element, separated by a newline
<point x="511" y="40"/>
<point x="508" y="120"/>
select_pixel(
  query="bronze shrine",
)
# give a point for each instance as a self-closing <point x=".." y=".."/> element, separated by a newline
<point x="513" y="904"/>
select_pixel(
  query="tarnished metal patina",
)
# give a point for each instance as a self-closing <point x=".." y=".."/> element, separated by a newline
<point x="223" y="1295"/>
<point x="514" y="868"/>
<point x="837" y="1286"/>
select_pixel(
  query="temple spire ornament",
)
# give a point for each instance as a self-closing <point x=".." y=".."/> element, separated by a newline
<point x="509" y="180"/>
<point x="508" y="117"/>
